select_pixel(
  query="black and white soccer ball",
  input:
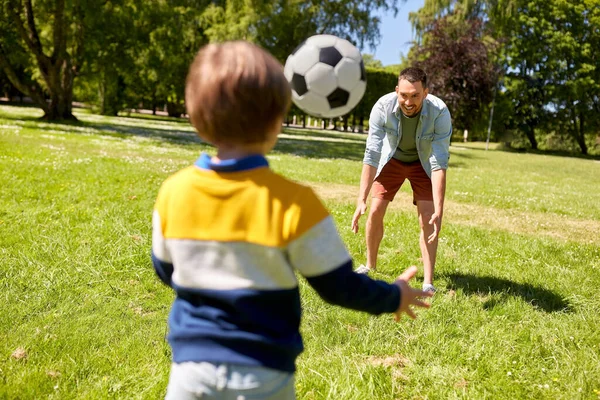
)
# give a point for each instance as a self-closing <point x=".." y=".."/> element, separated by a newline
<point x="327" y="76"/>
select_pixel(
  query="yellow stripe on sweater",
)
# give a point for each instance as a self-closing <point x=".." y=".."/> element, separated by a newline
<point x="255" y="206"/>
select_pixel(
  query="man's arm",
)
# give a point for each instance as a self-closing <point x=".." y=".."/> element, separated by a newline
<point x="440" y="146"/>
<point x="440" y="155"/>
<point x="366" y="181"/>
<point x="370" y="161"/>
<point x="438" y="184"/>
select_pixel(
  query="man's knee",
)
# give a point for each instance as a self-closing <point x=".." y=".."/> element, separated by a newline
<point x="425" y="209"/>
<point x="377" y="211"/>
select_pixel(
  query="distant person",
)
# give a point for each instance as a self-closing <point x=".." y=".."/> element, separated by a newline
<point x="409" y="139"/>
<point x="229" y="234"/>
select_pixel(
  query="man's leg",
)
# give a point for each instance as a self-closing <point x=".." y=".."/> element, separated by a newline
<point x="375" y="230"/>
<point x="425" y="210"/>
<point x="383" y="191"/>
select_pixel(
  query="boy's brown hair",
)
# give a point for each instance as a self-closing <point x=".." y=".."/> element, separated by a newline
<point x="235" y="92"/>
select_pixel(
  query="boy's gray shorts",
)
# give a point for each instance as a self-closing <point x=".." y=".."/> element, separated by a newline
<point x="203" y="380"/>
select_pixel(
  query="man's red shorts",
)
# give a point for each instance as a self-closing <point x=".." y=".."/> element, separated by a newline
<point x="393" y="175"/>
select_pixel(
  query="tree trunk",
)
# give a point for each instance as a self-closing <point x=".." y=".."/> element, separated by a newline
<point x="304" y="120"/>
<point x="57" y="70"/>
<point x="530" y="133"/>
<point x="60" y="86"/>
<point x="175" y="109"/>
<point x="580" y="133"/>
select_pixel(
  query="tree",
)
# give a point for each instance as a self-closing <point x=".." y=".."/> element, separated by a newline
<point x="548" y="58"/>
<point x="379" y="83"/>
<point x="17" y="67"/>
<point x="51" y="38"/>
<point x="279" y="26"/>
<point x="460" y="69"/>
<point x="170" y="51"/>
<point x="553" y="55"/>
<point x="109" y="54"/>
<point x="371" y="62"/>
<point x="498" y="14"/>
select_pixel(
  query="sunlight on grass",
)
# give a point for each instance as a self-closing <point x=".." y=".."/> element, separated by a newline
<point x="84" y="316"/>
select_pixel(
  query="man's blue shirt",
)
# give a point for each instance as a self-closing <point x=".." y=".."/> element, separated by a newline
<point x="434" y="130"/>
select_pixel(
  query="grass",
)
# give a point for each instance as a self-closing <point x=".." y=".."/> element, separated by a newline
<point x="83" y="316"/>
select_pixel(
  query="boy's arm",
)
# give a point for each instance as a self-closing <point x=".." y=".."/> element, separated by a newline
<point x="345" y="288"/>
<point x="161" y="260"/>
<point x="321" y="257"/>
<point x="377" y="296"/>
<point x="319" y="254"/>
<point x="164" y="270"/>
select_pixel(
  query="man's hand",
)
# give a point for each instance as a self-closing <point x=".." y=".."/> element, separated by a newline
<point x="361" y="208"/>
<point x="408" y="295"/>
<point x="436" y="221"/>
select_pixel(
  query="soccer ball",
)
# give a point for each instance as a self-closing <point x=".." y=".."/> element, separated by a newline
<point x="327" y="76"/>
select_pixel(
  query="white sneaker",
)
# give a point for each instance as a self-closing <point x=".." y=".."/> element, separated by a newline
<point x="428" y="287"/>
<point x="363" y="269"/>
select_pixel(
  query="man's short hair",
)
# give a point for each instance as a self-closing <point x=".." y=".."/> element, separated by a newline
<point x="413" y="74"/>
<point x="235" y="91"/>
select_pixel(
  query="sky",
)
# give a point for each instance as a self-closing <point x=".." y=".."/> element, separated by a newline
<point x="396" y="33"/>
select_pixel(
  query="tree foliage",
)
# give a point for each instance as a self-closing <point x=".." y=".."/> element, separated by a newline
<point x="459" y="68"/>
<point x="49" y="37"/>
<point x="279" y="26"/>
<point x="549" y="78"/>
<point x="127" y="53"/>
<point x="498" y="14"/>
<point x="553" y="77"/>
<point x="370" y="61"/>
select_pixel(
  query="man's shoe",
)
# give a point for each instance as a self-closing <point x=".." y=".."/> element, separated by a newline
<point x="428" y="287"/>
<point x="363" y="269"/>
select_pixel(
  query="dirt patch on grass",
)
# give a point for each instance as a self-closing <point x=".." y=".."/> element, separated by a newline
<point x="389" y="361"/>
<point x="529" y="223"/>
<point x="396" y="363"/>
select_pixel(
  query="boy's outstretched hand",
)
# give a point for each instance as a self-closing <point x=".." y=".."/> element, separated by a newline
<point x="408" y="295"/>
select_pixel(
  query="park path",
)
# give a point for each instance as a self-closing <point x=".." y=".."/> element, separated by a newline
<point x="516" y="221"/>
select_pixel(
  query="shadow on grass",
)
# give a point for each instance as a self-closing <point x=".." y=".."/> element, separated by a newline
<point x="309" y="143"/>
<point x="166" y="134"/>
<point x="522" y="150"/>
<point x="537" y="296"/>
<point x="555" y="153"/>
<point x="311" y="148"/>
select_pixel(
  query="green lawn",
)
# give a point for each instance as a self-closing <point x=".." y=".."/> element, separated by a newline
<point x="83" y="316"/>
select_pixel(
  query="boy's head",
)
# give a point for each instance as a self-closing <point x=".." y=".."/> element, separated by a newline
<point x="236" y="94"/>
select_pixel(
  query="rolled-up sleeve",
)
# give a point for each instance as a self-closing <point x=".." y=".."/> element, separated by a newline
<point x="376" y="136"/>
<point x="440" y="146"/>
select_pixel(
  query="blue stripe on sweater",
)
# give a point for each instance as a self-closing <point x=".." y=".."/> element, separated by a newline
<point x="260" y="327"/>
<point x="163" y="269"/>
<point x="232" y="165"/>
<point x="242" y="326"/>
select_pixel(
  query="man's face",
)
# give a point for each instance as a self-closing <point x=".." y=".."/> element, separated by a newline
<point x="410" y="97"/>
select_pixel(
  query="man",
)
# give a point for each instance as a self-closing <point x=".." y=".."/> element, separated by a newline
<point x="409" y="138"/>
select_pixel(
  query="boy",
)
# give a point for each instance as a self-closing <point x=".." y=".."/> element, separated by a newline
<point x="228" y="234"/>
